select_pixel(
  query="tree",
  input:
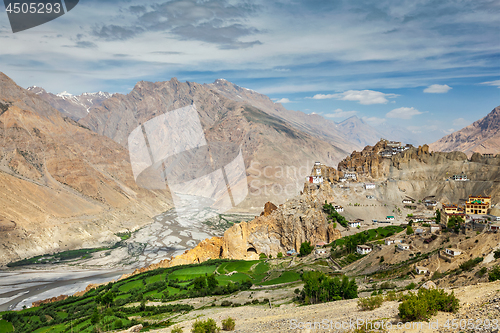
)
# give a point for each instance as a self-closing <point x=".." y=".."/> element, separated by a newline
<point x="438" y="216"/>
<point x="409" y="230"/>
<point x="94" y="319"/>
<point x="200" y="283"/>
<point x="212" y="282"/>
<point x="279" y="255"/>
<point x="107" y="299"/>
<point x="306" y="248"/>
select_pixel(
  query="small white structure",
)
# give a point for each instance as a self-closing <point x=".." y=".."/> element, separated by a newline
<point x="421" y="270"/>
<point x="453" y="252"/>
<point x="462" y="177"/>
<point x="369" y="186"/>
<point x="389" y="241"/>
<point x="403" y="247"/>
<point x="338" y="208"/>
<point x="435" y="228"/>
<point x="363" y="249"/>
<point x="354" y="224"/>
<point x="398" y="241"/>
<point x="342" y="180"/>
<point x="350" y="175"/>
<point x="321" y="251"/>
<point x="314" y="179"/>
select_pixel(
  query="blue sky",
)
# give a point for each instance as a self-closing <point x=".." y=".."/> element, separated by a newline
<point x="429" y="67"/>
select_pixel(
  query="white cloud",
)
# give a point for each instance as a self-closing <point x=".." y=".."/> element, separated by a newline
<point x="493" y="83"/>
<point x="339" y="113"/>
<point x="365" y="97"/>
<point x="283" y="101"/>
<point x="403" y="113"/>
<point x="374" y="121"/>
<point x="437" y="89"/>
<point x="460" y="122"/>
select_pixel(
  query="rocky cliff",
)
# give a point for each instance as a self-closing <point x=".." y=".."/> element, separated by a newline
<point x="482" y="136"/>
<point x="419" y="172"/>
<point x="277" y="229"/>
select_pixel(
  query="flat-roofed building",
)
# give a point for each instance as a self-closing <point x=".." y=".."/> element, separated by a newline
<point x="478" y="205"/>
<point x="363" y="249"/>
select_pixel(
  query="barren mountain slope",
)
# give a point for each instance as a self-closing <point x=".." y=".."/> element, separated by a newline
<point x="482" y="136"/>
<point x="312" y="124"/>
<point x="72" y="106"/>
<point x="62" y="185"/>
<point x="268" y="143"/>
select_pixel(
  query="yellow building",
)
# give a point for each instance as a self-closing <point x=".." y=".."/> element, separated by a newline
<point x="478" y="205"/>
<point x="451" y="210"/>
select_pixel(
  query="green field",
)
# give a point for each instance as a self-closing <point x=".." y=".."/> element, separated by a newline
<point x="6" y="327"/>
<point x="192" y="272"/>
<point x="288" y="276"/>
<point x="131" y="285"/>
<point x="129" y="296"/>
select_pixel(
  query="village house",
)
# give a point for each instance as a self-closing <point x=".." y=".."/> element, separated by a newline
<point x="314" y="179"/>
<point x="431" y="203"/>
<point x="338" y="208"/>
<point x="408" y="200"/>
<point x="321" y="251"/>
<point x="403" y="247"/>
<point x="462" y="177"/>
<point x="494" y="227"/>
<point x="291" y="252"/>
<point x="435" y="229"/>
<point x="478" y="205"/>
<point x="389" y="241"/>
<point x="363" y="249"/>
<point x="390" y="218"/>
<point x="419" y="231"/>
<point x="421" y="270"/>
<point x="453" y="252"/>
<point x="386" y="153"/>
<point x="350" y="175"/>
<point x="369" y="186"/>
<point x="320" y="244"/>
<point x="354" y="224"/>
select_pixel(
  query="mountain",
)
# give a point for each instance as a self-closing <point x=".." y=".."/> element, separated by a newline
<point x="482" y="136"/>
<point x="62" y="186"/>
<point x="311" y="124"/>
<point x="359" y="132"/>
<point x="277" y="155"/>
<point x="72" y="106"/>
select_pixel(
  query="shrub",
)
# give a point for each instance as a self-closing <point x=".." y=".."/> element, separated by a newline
<point x="409" y="230"/>
<point x="410" y="286"/>
<point x="426" y="303"/>
<point x="470" y="264"/>
<point x="280" y="255"/>
<point x="370" y="303"/>
<point x="481" y="272"/>
<point x="228" y="324"/>
<point x="270" y="256"/>
<point x="306" y="248"/>
<point x="176" y="329"/>
<point x="262" y="256"/>
<point x="496" y="254"/>
<point x="382" y="259"/>
<point x="118" y="324"/>
<point x="207" y="326"/>
<point x="494" y="274"/>
<point x="387" y="285"/>
<point x="226" y="303"/>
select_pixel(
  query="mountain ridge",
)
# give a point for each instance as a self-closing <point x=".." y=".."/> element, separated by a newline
<point x="482" y="136"/>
